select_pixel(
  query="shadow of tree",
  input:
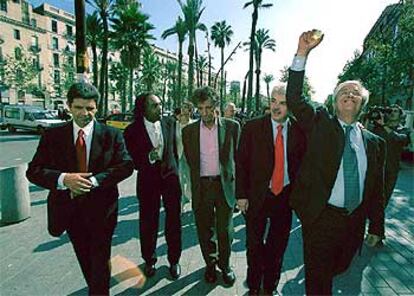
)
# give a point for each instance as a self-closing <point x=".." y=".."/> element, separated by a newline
<point x="53" y="244"/>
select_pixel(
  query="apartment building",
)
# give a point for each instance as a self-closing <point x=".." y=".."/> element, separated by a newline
<point x="47" y="35"/>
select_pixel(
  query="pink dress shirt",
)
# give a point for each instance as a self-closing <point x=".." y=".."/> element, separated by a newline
<point x="209" y="150"/>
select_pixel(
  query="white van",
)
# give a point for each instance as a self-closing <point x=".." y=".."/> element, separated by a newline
<point x="29" y="118"/>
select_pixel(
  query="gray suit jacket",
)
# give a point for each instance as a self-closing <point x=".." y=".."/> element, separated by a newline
<point x="228" y="134"/>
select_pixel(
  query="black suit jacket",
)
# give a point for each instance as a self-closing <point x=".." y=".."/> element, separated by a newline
<point x="139" y="146"/>
<point x="109" y="163"/>
<point x="323" y="158"/>
<point x="255" y="160"/>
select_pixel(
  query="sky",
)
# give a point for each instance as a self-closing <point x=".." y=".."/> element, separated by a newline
<point x="344" y="23"/>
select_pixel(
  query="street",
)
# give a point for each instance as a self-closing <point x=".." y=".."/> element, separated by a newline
<point x="34" y="263"/>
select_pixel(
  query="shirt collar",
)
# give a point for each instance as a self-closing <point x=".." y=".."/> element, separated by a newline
<point x="87" y="129"/>
<point x="276" y="124"/>
<point x="214" y="126"/>
<point x="343" y="124"/>
<point x="151" y="124"/>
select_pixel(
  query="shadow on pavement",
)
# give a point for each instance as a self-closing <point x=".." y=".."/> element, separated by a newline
<point x="53" y="244"/>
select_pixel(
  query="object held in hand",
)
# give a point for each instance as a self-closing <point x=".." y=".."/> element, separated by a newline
<point x="317" y="34"/>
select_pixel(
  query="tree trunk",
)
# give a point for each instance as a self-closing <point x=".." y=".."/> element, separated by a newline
<point x="244" y="92"/>
<point x="130" y="87"/>
<point x="180" y="71"/>
<point x="104" y="66"/>
<point x="252" y="35"/>
<point x="95" y="65"/>
<point x="209" y="60"/>
<point x="268" y="93"/>
<point x="196" y="61"/>
<point x="222" y="81"/>
<point x="190" y="66"/>
<point x="259" y="55"/>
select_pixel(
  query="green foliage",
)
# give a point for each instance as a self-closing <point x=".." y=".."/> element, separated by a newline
<point x="151" y="70"/>
<point x="19" y="72"/>
<point x="308" y="90"/>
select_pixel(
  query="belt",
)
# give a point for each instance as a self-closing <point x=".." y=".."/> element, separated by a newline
<point x="211" y="178"/>
<point x="342" y="211"/>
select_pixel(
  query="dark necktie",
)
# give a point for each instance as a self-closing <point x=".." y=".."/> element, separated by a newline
<point x="278" y="169"/>
<point x="351" y="174"/>
<point x="81" y="152"/>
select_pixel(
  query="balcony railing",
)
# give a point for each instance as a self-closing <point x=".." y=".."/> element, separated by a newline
<point x="35" y="48"/>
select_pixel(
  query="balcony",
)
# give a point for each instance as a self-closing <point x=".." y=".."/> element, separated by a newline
<point x="68" y="36"/>
<point x="35" y="48"/>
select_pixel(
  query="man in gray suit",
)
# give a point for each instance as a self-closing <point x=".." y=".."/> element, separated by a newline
<point x="210" y="147"/>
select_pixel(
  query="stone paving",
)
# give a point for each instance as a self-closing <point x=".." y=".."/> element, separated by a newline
<point x="34" y="263"/>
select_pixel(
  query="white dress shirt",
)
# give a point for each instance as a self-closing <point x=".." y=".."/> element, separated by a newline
<point x="337" y="197"/>
<point x="155" y="135"/>
<point x="88" y="134"/>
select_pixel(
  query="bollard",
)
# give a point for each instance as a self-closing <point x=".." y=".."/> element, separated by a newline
<point x="14" y="194"/>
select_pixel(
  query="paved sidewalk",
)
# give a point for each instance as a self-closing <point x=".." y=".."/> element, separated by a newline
<point x="34" y="263"/>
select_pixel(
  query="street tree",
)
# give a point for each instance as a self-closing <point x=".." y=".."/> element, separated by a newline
<point x="151" y="70"/>
<point x="268" y="78"/>
<point x="179" y="29"/>
<point x="221" y="34"/>
<point x="94" y="31"/>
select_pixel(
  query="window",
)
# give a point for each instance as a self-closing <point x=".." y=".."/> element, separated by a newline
<point x="69" y="30"/>
<point x="18" y="53"/>
<point x="25" y="13"/>
<point x="54" y="26"/>
<point x="56" y="59"/>
<point x="16" y="34"/>
<point x="55" y="43"/>
<point x="71" y="62"/>
<point x="28" y="116"/>
<point x="34" y="22"/>
<point x="35" y="41"/>
<point x="1" y="55"/>
<point x="56" y="76"/>
<point x="12" y="113"/>
<point x="3" y="6"/>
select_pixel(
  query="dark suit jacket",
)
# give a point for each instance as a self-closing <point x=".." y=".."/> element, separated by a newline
<point x="323" y="158"/>
<point x="255" y="159"/>
<point x="109" y="163"/>
<point x="228" y="134"/>
<point x="139" y="146"/>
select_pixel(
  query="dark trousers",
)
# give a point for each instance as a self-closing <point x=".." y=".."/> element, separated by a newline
<point x="214" y="216"/>
<point x="265" y="253"/>
<point x="150" y="195"/>
<point x="330" y="243"/>
<point x="92" y="244"/>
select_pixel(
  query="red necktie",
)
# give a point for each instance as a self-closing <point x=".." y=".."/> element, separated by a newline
<point x="81" y="152"/>
<point x="278" y="169"/>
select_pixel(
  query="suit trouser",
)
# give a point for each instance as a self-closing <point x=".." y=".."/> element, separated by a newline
<point x="265" y="254"/>
<point x="92" y="245"/>
<point x="213" y="215"/>
<point x="150" y="196"/>
<point x="330" y="243"/>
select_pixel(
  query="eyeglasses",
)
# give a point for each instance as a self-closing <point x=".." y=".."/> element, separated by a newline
<point x="348" y="93"/>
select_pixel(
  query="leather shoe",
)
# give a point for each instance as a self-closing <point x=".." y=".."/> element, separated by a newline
<point x="253" y="292"/>
<point x="210" y="274"/>
<point x="175" y="271"/>
<point x="228" y="276"/>
<point x="149" y="270"/>
<point x="268" y="292"/>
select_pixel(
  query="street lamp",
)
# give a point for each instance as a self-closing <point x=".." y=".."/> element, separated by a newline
<point x="82" y="60"/>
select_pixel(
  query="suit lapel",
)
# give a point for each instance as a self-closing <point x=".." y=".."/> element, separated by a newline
<point x="69" y="146"/>
<point x="96" y="146"/>
<point x="221" y="129"/>
<point x="196" y="137"/>
<point x="268" y="136"/>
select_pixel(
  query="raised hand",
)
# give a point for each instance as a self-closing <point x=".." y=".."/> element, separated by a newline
<point x="308" y="41"/>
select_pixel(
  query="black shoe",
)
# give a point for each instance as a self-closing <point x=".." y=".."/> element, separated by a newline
<point x="228" y="276"/>
<point x="268" y="292"/>
<point x="175" y="271"/>
<point x="253" y="292"/>
<point x="210" y="274"/>
<point x="149" y="270"/>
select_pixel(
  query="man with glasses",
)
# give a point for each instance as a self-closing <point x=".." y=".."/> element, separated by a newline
<point x="340" y="182"/>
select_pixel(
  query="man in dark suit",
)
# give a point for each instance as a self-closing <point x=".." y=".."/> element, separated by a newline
<point x="341" y="179"/>
<point x="270" y="151"/>
<point x="151" y="144"/>
<point x="210" y="147"/>
<point x="81" y="164"/>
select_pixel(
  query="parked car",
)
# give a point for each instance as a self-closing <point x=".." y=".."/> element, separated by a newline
<point x="120" y="120"/>
<point x="29" y="118"/>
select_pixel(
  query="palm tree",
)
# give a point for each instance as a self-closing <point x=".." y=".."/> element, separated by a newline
<point x="179" y="29"/>
<point x="262" y="41"/>
<point x="255" y="15"/>
<point x="93" y="37"/>
<point x="170" y="69"/>
<point x="130" y="34"/>
<point x="202" y="65"/>
<point x="221" y="35"/>
<point x="103" y="7"/>
<point x="151" y="69"/>
<point x="192" y="11"/>
<point x="119" y="74"/>
<point x="268" y="78"/>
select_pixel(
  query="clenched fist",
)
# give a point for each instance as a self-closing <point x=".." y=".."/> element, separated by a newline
<point x="308" y="41"/>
